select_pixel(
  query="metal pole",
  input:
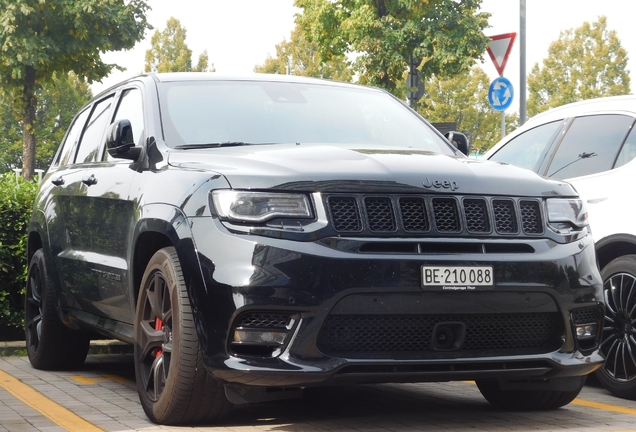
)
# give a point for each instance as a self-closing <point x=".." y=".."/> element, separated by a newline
<point x="503" y="124"/>
<point x="522" y="62"/>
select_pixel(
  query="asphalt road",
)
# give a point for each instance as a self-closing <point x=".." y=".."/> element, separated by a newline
<point x="102" y="397"/>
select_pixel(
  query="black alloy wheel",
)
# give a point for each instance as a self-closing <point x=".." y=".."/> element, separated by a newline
<point x="173" y="384"/>
<point x="50" y="344"/>
<point x="618" y="373"/>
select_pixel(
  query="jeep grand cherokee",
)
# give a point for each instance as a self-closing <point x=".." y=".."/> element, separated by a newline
<point x="256" y="236"/>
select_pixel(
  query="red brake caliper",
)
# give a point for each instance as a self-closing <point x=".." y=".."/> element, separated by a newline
<point x="158" y="326"/>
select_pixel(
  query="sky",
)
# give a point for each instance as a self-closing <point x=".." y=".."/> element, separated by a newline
<point x="240" y="34"/>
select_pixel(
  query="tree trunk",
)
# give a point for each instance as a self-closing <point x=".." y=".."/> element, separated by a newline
<point x="29" y="104"/>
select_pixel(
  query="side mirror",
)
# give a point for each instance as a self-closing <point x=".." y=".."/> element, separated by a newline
<point x="120" y="142"/>
<point x="459" y="140"/>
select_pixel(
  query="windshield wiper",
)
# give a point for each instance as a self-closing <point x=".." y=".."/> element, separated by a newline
<point x="212" y="145"/>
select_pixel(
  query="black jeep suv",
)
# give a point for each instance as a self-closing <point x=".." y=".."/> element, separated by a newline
<point x="256" y="236"/>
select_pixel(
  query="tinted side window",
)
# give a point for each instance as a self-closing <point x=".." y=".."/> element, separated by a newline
<point x="628" y="152"/>
<point x="525" y="149"/>
<point x="69" y="146"/>
<point x="590" y="146"/>
<point x="131" y="108"/>
<point x="94" y="132"/>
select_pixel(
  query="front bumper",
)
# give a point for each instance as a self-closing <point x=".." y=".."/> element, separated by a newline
<point x="523" y="327"/>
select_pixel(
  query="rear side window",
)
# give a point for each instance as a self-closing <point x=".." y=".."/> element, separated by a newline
<point x="526" y="149"/>
<point x="590" y="145"/>
<point x="94" y="132"/>
<point x="69" y="147"/>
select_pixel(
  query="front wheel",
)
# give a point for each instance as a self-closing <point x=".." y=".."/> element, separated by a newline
<point x="618" y="373"/>
<point x="174" y="386"/>
<point x="529" y="400"/>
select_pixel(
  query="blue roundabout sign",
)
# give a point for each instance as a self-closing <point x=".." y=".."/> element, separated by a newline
<point x="500" y="94"/>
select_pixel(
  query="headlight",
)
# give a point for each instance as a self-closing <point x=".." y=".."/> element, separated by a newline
<point x="259" y="206"/>
<point x="565" y="214"/>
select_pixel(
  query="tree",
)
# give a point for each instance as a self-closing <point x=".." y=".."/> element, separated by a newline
<point x="170" y="53"/>
<point x="464" y="99"/>
<point x="301" y="57"/>
<point x="58" y="101"/>
<point x="584" y="63"/>
<point x="40" y="38"/>
<point x="383" y="35"/>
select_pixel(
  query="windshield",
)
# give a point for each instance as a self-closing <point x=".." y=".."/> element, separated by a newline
<point x="206" y="113"/>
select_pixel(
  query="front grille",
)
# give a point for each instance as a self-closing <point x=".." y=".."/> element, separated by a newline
<point x="505" y="218"/>
<point x="380" y="213"/>
<point x="388" y="336"/>
<point x="432" y="215"/>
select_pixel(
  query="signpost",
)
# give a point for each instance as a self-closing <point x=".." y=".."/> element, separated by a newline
<point x="414" y="80"/>
<point x="501" y="92"/>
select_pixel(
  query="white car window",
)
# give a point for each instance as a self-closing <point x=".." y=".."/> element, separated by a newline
<point x="628" y="152"/>
<point x="524" y="150"/>
<point x="590" y="145"/>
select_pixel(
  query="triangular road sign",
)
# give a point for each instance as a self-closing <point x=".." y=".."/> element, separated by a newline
<point x="499" y="50"/>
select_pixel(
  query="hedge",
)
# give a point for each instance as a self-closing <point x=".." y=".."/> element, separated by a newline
<point x="16" y="203"/>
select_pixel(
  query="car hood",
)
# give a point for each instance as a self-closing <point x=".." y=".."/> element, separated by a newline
<point x="331" y="168"/>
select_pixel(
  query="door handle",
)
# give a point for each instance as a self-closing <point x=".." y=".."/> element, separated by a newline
<point x="90" y="180"/>
<point x="58" y="181"/>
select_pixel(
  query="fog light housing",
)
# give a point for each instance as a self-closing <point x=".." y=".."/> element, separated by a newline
<point x="586" y="331"/>
<point x="260" y="337"/>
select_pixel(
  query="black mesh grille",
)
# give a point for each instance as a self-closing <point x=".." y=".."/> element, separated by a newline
<point x="434" y="215"/>
<point x="531" y="217"/>
<point x="446" y="217"/>
<point x="505" y="219"/>
<point x="585" y="316"/>
<point x="476" y="215"/>
<point x="413" y="212"/>
<point x="344" y="213"/>
<point x="380" y="214"/>
<point x="263" y="320"/>
<point x="379" y="336"/>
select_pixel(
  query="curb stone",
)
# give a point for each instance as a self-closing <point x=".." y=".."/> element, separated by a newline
<point x="107" y="346"/>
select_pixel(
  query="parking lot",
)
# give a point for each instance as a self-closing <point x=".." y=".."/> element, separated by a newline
<point x="103" y="396"/>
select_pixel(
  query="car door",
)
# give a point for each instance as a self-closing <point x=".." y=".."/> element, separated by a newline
<point x="63" y="181"/>
<point x="75" y="260"/>
<point x="107" y="217"/>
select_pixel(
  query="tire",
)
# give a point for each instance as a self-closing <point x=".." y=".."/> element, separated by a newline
<point x="174" y="386"/>
<point x="50" y="344"/>
<point x="527" y="400"/>
<point x="618" y="373"/>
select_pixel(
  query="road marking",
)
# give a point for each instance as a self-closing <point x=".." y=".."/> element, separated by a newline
<point x="36" y="400"/>
<point x="604" y="407"/>
<point x="591" y="404"/>
<point x="94" y="380"/>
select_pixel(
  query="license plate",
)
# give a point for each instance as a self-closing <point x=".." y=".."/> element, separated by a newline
<point x="457" y="278"/>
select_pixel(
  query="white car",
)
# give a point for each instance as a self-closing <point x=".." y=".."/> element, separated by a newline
<point x="592" y="145"/>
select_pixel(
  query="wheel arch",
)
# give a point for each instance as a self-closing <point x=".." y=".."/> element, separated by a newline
<point x="614" y="246"/>
<point x="38" y="231"/>
<point x="163" y="226"/>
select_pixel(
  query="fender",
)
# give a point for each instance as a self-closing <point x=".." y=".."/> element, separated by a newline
<point x="171" y="223"/>
<point x="613" y="246"/>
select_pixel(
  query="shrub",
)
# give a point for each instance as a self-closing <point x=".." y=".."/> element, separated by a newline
<point x="16" y="202"/>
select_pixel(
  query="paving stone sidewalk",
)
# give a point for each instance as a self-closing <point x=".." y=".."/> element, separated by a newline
<point x="104" y="393"/>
